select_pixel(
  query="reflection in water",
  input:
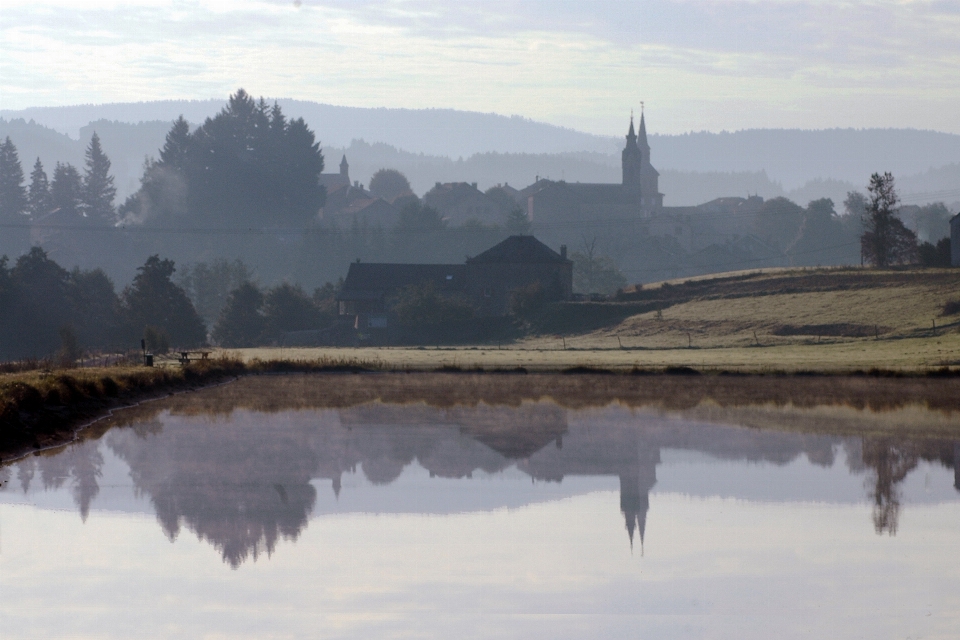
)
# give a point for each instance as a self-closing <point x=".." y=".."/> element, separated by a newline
<point x="244" y="480"/>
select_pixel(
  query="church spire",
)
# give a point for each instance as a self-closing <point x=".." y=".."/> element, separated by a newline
<point x="643" y="132"/>
<point x="631" y="136"/>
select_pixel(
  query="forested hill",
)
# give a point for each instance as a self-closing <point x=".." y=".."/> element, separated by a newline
<point x="432" y="145"/>
<point x="789" y="156"/>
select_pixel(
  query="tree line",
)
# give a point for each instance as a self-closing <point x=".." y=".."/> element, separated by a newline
<point x="47" y="311"/>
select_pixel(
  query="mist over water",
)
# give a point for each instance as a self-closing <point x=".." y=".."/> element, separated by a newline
<point x="487" y="516"/>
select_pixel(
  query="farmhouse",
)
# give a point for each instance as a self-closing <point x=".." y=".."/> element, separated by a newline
<point x="487" y="280"/>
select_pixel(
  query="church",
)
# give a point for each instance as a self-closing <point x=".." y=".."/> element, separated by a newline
<point x="636" y="197"/>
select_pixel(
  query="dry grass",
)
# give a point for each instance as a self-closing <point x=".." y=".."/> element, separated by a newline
<point x="548" y="354"/>
<point x="840" y="405"/>
<point x="831" y="320"/>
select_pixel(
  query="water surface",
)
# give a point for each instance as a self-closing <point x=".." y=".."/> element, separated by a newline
<point x="531" y="521"/>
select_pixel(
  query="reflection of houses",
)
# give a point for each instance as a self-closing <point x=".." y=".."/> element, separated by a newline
<point x="244" y="483"/>
<point x="348" y="204"/>
<point x="487" y="280"/>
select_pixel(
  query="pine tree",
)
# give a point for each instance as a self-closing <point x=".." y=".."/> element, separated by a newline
<point x="154" y="300"/>
<point x="13" y="195"/>
<point x="66" y="190"/>
<point x="98" y="189"/>
<point x="176" y="147"/>
<point x="38" y="198"/>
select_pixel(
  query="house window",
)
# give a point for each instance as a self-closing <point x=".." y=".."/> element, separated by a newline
<point x="377" y="322"/>
<point x="449" y="277"/>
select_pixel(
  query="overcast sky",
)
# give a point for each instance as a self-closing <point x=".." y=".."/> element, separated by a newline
<point x="698" y="65"/>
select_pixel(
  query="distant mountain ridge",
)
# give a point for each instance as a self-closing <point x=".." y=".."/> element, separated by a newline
<point x="432" y="145"/>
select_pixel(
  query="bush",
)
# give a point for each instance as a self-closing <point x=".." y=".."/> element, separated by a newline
<point x="421" y="308"/>
<point x="156" y="340"/>
<point x="526" y="302"/>
<point x="938" y="255"/>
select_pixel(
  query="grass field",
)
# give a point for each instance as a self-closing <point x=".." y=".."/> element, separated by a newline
<point x="830" y="320"/>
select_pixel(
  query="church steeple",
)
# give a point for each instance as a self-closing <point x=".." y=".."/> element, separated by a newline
<point x="345" y="169"/>
<point x="632" y="159"/>
<point x="642" y="141"/>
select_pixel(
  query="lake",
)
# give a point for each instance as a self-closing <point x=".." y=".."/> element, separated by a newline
<point x="239" y="511"/>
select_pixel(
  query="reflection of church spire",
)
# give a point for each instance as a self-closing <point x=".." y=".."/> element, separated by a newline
<point x="636" y="481"/>
<point x="336" y="486"/>
<point x="634" y="507"/>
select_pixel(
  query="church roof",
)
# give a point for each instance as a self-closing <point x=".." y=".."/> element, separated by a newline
<point x="519" y="249"/>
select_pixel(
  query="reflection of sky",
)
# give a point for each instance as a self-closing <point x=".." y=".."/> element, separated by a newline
<point x="717" y="64"/>
<point x="749" y="534"/>
<point x="711" y="567"/>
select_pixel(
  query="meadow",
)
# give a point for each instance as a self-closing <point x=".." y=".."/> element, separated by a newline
<point x="825" y="320"/>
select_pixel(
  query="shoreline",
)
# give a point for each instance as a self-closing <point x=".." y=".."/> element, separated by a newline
<point x="42" y="410"/>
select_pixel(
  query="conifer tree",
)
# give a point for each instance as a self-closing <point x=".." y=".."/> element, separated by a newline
<point x="38" y="198"/>
<point x="176" y="147"/>
<point x="98" y="189"/>
<point x="13" y="195"/>
<point x="66" y="190"/>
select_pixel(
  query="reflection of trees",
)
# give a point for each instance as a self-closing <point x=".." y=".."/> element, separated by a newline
<point x="240" y="485"/>
<point x="81" y="463"/>
<point x="891" y="460"/>
<point x="241" y="479"/>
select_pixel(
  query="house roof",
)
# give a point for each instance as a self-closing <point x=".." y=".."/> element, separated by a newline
<point x="518" y="249"/>
<point x="372" y="280"/>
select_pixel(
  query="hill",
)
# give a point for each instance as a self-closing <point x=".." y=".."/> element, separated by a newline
<point x="774" y="307"/>
<point x="790" y="157"/>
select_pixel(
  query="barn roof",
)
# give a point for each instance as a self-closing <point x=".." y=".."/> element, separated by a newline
<point x="372" y="280"/>
<point x="518" y="249"/>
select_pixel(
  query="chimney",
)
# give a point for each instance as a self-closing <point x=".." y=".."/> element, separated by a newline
<point x="563" y="252"/>
<point x="473" y="184"/>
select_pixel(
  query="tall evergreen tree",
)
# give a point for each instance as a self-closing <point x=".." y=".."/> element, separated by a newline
<point x="241" y="322"/>
<point x="66" y="190"/>
<point x="38" y="198"/>
<point x="176" y="147"/>
<point x="13" y="195"/>
<point x="154" y="300"/>
<point x="98" y="188"/>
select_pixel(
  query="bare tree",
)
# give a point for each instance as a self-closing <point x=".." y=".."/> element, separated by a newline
<point x="885" y="240"/>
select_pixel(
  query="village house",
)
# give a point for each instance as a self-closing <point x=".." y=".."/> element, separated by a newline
<point x="487" y="281"/>
<point x="458" y="202"/>
<point x="348" y="204"/>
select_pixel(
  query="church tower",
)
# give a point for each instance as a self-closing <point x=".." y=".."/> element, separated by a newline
<point x="649" y="178"/>
<point x="632" y="158"/>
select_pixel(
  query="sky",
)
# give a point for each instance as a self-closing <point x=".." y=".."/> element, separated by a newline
<point x="696" y="65"/>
